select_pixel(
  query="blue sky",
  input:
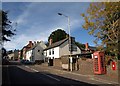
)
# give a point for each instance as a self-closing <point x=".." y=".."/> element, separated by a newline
<point x="36" y="20"/>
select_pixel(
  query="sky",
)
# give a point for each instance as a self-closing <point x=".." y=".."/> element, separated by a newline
<point x="36" y="21"/>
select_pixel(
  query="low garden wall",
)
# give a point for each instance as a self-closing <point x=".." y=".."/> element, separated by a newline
<point x="57" y="62"/>
<point x="86" y="67"/>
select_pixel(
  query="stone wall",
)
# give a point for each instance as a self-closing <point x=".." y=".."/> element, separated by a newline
<point x="57" y="62"/>
<point x="111" y="72"/>
<point x="85" y="66"/>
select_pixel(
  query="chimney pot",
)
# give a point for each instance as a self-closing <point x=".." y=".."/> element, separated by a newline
<point x="50" y="41"/>
<point x="86" y="46"/>
<point x="30" y="43"/>
<point x="34" y="42"/>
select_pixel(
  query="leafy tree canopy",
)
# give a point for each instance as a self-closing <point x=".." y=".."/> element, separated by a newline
<point x="102" y="20"/>
<point x="6" y="27"/>
<point x="4" y="52"/>
<point x="57" y="35"/>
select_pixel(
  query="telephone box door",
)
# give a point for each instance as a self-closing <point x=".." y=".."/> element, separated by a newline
<point x="99" y="63"/>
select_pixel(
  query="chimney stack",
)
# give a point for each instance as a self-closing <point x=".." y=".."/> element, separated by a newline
<point x="50" y="41"/>
<point x="30" y="43"/>
<point x="34" y="42"/>
<point x="37" y="42"/>
<point x="86" y="46"/>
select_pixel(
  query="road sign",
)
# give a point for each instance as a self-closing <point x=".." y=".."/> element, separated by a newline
<point x="72" y="45"/>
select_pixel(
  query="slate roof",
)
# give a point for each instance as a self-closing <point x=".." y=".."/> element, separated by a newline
<point x="92" y="48"/>
<point x="56" y="44"/>
<point x="34" y="46"/>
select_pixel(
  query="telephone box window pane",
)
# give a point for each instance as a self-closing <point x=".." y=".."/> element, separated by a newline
<point x="96" y="64"/>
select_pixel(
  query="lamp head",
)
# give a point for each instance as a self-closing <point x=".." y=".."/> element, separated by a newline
<point x="60" y="14"/>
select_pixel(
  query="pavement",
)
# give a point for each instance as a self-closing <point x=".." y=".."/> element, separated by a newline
<point x="108" y="79"/>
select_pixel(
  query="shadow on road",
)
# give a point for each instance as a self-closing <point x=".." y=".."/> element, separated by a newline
<point x="13" y="75"/>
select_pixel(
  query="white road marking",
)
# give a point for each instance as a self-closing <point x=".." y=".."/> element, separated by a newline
<point x="32" y="69"/>
<point x="27" y="66"/>
<point x="43" y="73"/>
<point x="51" y="77"/>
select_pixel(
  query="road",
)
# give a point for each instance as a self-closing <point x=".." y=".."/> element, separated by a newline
<point x="16" y="74"/>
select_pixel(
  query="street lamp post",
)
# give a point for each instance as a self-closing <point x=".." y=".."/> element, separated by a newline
<point x="68" y="29"/>
<point x="69" y="38"/>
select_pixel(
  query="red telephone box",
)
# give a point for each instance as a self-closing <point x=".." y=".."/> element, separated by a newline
<point x="99" y="62"/>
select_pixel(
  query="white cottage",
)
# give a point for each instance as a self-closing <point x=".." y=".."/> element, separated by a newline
<point x="60" y="48"/>
<point x="29" y="55"/>
<point x="11" y="56"/>
<point x="36" y="53"/>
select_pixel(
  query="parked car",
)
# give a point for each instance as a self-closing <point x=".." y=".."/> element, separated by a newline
<point x="26" y="62"/>
<point x="22" y="61"/>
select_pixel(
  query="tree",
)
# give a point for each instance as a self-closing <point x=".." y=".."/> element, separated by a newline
<point x="10" y="51"/>
<point x="102" y="20"/>
<point x="7" y="30"/>
<point x="57" y="35"/>
<point x="47" y="44"/>
<point x="80" y="45"/>
<point x="4" y="52"/>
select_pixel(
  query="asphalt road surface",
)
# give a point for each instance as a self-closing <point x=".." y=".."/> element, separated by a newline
<point x="16" y="74"/>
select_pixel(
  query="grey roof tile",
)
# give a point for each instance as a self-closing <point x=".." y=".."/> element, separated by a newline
<point x="56" y="44"/>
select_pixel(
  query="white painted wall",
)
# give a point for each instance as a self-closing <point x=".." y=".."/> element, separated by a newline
<point x="55" y="55"/>
<point x="56" y="52"/>
<point x="48" y="55"/>
<point x="11" y="55"/>
<point x="28" y="55"/>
